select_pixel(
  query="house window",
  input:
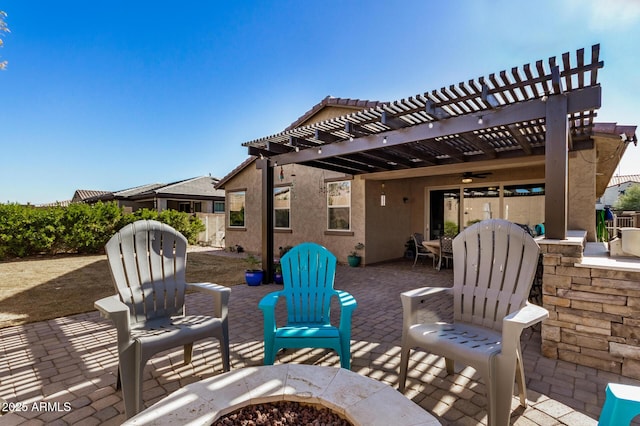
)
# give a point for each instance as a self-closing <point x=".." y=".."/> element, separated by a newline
<point x="184" y="207"/>
<point x="197" y="207"/>
<point x="236" y="208"/>
<point x="339" y="205"/>
<point x="218" y="206"/>
<point x="282" y="207"/>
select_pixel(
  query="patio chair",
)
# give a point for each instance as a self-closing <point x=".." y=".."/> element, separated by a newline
<point x="147" y="261"/>
<point x="308" y="271"/>
<point x="621" y="405"/>
<point x="421" y="251"/>
<point x="446" y="251"/>
<point x="494" y="263"/>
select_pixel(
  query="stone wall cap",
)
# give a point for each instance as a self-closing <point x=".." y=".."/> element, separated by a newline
<point x="574" y="238"/>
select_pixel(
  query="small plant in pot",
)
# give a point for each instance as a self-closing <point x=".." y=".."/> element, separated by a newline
<point x="277" y="273"/>
<point x="354" y="258"/>
<point x="253" y="275"/>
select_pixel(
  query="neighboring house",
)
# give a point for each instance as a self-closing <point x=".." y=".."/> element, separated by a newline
<point x="617" y="187"/>
<point x="197" y="196"/>
<point x="82" y="195"/>
<point x="524" y="150"/>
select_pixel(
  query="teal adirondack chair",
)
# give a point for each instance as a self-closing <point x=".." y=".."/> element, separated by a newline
<point x="308" y="271"/>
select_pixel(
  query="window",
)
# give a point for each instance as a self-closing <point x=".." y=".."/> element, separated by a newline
<point x="184" y="207"/>
<point x="282" y="207"/>
<point x="236" y="208"/>
<point x="218" y="206"/>
<point x="452" y="210"/>
<point x="339" y="206"/>
<point x="197" y="207"/>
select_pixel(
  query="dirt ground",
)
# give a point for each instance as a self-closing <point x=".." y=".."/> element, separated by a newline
<point x="42" y="288"/>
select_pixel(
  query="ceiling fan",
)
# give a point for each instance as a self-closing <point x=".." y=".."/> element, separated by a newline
<point x="467" y="177"/>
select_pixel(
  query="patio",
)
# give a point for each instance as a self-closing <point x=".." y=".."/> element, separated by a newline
<point x="70" y="363"/>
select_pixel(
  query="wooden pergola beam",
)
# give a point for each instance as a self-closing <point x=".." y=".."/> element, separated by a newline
<point x="391" y="121"/>
<point x="578" y="100"/>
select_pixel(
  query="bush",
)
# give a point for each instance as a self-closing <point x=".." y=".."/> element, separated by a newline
<point x="87" y="227"/>
<point x="450" y="229"/>
<point x="79" y="228"/>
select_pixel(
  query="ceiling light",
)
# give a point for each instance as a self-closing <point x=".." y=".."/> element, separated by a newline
<point x="467" y="180"/>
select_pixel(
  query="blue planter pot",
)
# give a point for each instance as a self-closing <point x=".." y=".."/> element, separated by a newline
<point x="253" y="278"/>
<point x="277" y="278"/>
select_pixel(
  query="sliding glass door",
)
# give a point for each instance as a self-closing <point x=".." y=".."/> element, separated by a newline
<point x="450" y="210"/>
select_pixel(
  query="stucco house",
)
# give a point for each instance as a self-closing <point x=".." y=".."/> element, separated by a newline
<point x="193" y="195"/>
<point x="520" y="145"/>
<point x="617" y="187"/>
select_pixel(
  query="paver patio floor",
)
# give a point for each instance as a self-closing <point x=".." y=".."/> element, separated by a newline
<point x="73" y="360"/>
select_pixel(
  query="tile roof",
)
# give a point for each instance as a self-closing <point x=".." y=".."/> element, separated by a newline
<point x="617" y="180"/>
<point x="355" y="104"/>
<point x="85" y="194"/>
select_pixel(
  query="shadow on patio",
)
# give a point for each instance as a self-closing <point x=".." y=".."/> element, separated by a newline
<point x="559" y="392"/>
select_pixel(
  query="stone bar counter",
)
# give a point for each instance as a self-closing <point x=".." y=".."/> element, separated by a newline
<point x="594" y="305"/>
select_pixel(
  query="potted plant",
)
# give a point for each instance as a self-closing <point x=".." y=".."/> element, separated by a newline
<point x="253" y="275"/>
<point x="277" y="273"/>
<point x="354" y="258"/>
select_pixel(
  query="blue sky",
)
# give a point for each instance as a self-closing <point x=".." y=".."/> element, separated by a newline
<point x="111" y="95"/>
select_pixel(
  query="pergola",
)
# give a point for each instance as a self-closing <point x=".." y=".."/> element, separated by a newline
<point x="547" y="110"/>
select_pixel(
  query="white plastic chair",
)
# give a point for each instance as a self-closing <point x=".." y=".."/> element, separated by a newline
<point x="494" y="263"/>
<point x="147" y="261"/>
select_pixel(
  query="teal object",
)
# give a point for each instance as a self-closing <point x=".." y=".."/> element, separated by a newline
<point x="621" y="405"/>
<point x="309" y="272"/>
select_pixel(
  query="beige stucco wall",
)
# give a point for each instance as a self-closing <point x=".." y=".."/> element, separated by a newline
<point x="388" y="228"/>
<point x="582" y="192"/>
<point x="308" y="210"/>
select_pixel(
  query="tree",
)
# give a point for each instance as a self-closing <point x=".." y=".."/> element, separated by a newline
<point x="630" y="200"/>
<point x="3" y="29"/>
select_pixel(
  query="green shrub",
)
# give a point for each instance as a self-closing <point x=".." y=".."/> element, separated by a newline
<point x="78" y="228"/>
<point x="89" y="226"/>
<point x="450" y="228"/>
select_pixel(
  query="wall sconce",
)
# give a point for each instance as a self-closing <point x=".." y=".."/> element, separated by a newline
<point x="383" y="197"/>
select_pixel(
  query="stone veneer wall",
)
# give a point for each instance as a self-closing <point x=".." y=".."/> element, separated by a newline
<point x="594" y="312"/>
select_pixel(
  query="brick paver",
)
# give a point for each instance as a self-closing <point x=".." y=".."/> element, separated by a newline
<point x="74" y="360"/>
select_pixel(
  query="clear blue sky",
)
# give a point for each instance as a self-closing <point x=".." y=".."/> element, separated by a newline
<point x="111" y="95"/>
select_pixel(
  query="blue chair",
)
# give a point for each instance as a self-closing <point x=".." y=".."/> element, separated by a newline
<point x="308" y="271"/>
<point x="621" y="405"/>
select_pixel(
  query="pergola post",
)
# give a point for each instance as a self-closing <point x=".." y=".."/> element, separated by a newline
<point x="556" y="167"/>
<point x="267" y="219"/>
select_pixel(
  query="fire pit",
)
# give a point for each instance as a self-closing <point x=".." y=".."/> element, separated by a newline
<point x="361" y="400"/>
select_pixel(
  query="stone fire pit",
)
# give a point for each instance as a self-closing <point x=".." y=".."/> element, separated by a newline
<point x="363" y="401"/>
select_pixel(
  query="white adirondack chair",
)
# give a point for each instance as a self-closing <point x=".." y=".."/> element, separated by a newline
<point x="147" y="261"/>
<point x="494" y="265"/>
